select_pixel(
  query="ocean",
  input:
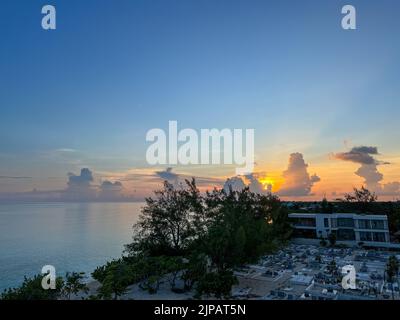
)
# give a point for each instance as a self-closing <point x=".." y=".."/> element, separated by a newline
<point x="69" y="236"/>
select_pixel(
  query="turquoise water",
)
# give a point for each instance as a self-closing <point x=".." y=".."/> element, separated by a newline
<point x="69" y="236"/>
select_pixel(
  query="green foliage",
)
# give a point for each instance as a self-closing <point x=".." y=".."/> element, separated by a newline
<point x="73" y="284"/>
<point x="393" y="218"/>
<point x="31" y="289"/>
<point x="100" y="272"/>
<point x="392" y="271"/>
<point x="332" y="239"/>
<point x="155" y="268"/>
<point x="216" y="284"/>
<point x="392" y="268"/>
<point x="332" y="267"/>
<point x="167" y="224"/>
<point x="361" y="200"/>
<point x="245" y="226"/>
<point x="118" y="274"/>
<point x="195" y="268"/>
<point x="360" y="195"/>
<point x="116" y="280"/>
<point x="216" y="232"/>
<point x="173" y="266"/>
<point x="326" y="206"/>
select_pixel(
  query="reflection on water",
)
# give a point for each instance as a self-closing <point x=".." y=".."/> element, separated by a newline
<point x="69" y="236"/>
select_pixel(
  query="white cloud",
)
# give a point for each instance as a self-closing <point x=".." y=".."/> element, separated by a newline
<point x="297" y="182"/>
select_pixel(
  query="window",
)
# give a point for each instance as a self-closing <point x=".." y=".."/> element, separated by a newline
<point x="379" y="237"/>
<point x="365" y="236"/>
<point x="377" y="224"/>
<point x="346" y="235"/>
<point x="303" y="222"/>
<point x="345" y="222"/>
<point x="326" y="222"/>
<point x="305" y="233"/>
<point x="364" y="224"/>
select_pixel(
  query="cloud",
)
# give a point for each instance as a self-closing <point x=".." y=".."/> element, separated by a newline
<point x="234" y="184"/>
<point x="391" y="188"/>
<point x="298" y="182"/>
<point x="79" y="187"/>
<point x="65" y="150"/>
<point x="167" y="174"/>
<point x="365" y="149"/>
<point x="84" y="179"/>
<point x="14" y="177"/>
<point x="371" y="176"/>
<point x="361" y="155"/>
<point x="179" y="179"/>
<point x="107" y="185"/>
<point x="369" y="169"/>
<point x="238" y="183"/>
<point x="110" y="190"/>
<point x="255" y="185"/>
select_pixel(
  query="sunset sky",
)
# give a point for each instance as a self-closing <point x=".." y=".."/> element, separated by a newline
<point x="84" y="95"/>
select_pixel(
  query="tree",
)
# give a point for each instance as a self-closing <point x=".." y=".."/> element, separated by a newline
<point x="326" y="207"/>
<point x="73" y="284"/>
<point x="214" y="233"/>
<point x="31" y="289"/>
<point x="361" y="200"/>
<point x="322" y="242"/>
<point x="217" y="284"/>
<point x="154" y="268"/>
<point x="245" y="226"/>
<point x="115" y="281"/>
<point x="392" y="271"/>
<point x="166" y="225"/>
<point x="332" y="239"/>
<point x="332" y="267"/>
<point x="394" y="220"/>
<point x="100" y="272"/>
<point x="117" y="275"/>
<point x="173" y="266"/>
<point x="195" y="269"/>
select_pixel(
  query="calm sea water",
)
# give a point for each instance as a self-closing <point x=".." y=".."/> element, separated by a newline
<point x="69" y="236"/>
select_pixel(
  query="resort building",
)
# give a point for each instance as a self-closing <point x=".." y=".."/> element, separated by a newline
<point x="349" y="228"/>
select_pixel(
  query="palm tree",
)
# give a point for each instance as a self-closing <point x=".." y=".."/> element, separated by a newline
<point x="392" y="270"/>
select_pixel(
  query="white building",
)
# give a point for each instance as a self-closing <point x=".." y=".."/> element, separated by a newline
<point x="350" y="228"/>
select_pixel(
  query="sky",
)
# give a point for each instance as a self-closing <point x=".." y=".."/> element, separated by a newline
<point x="76" y="102"/>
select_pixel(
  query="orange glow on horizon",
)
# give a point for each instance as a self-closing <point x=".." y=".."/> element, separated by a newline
<point x="275" y="182"/>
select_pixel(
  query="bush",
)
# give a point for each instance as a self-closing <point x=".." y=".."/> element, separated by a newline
<point x="216" y="284"/>
<point x="31" y="289"/>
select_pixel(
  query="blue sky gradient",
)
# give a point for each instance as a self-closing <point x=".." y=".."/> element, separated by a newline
<point x="114" y="69"/>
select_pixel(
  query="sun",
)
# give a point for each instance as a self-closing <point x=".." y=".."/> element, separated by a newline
<point x="275" y="182"/>
<point x="266" y="182"/>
